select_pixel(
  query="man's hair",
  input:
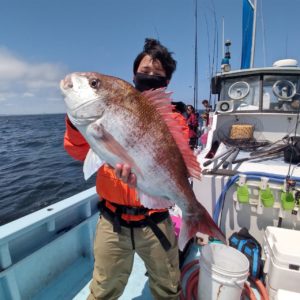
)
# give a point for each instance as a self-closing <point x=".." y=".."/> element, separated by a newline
<point x="179" y="106"/>
<point x="159" y="52"/>
<point x="205" y="101"/>
<point x="191" y="107"/>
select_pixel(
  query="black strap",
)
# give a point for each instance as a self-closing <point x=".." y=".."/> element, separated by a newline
<point x="117" y="221"/>
<point x="151" y="221"/>
<point x="128" y="210"/>
<point x="159" y="234"/>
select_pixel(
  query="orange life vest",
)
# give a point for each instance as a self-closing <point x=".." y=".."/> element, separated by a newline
<point x="114" y="190"/>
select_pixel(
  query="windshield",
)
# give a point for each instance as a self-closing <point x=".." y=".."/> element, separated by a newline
<point x="243" y="93"/>
<point x="279" y="93"/>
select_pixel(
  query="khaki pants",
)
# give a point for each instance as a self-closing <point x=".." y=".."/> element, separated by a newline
<point x="114" y="255"/>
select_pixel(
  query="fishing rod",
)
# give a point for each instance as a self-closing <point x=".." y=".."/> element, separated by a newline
<point x="268" y="150"/>
<point x="223" y="160"/>
<point x="264" y="155"/>
<point x="208" y="162"/>
<point x="231" y="158"/>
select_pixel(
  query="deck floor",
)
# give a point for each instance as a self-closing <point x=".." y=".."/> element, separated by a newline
<point x="137" y="287"/>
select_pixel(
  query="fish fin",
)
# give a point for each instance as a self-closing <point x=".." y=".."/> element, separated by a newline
<point x="154" y="202"/>
<point x="198" y="220"/>
<point x="113" y="146"/>
<point x="91" y="164"/>
<point x="184" y="235"/>
<point x="162" y="101"/>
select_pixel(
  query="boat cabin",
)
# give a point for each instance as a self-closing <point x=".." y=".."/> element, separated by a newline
<point x="266" y="90"/>
<point x="255" y="119"/>
<point x="266" y="99"/>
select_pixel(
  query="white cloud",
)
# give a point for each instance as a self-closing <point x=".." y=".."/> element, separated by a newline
<point x="27" y="94"/>
<point x="34" y="85"/>
<point x="6" y="95"/>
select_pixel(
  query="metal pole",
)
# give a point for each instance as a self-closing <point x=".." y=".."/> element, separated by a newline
<point x="196" y="60"/>
<point x="253" y="34"/>
<point x="223" y="37"/>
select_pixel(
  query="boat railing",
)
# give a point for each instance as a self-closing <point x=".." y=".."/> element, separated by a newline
<point x="22" y="236"/>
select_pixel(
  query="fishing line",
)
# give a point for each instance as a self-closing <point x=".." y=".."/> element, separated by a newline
<point x="216" y="39"/>
<point x="211" y="61"/>
<point x="156" y="31"/>
<point x="208" y="42"/>
<point x="215" y="48"/>
<point x="263" y="33"/>
<point x="295" y="134"/>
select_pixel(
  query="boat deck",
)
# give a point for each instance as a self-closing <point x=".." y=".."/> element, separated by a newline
<point x="137" y="287"/>
<point x="49" y="254"/>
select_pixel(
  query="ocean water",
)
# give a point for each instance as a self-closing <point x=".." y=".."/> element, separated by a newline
<point x="35" y="170"/>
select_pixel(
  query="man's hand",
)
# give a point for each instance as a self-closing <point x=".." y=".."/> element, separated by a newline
<point x="123" y="172"/>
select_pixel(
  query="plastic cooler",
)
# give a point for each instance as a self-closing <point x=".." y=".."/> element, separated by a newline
<point x="287" y="295"/>
<point x="282" y="260"/>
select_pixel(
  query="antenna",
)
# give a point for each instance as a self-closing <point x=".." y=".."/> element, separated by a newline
<point x="225" y="65"/>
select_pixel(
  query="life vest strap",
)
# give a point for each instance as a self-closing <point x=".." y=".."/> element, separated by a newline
<point x="124" y="209"/>
<point x="149" y="220"/>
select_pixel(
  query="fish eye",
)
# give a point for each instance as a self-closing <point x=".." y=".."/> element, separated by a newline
<point x="94" y="83"/>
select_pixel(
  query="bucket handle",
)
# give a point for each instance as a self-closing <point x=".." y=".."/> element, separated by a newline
<point x="236" y="284"/>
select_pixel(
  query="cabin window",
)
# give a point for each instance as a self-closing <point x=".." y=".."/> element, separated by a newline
<point x="243" y="92"/>
<point x="281" y="93"/>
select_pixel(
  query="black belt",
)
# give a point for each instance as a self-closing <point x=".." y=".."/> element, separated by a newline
<point x="125" y="209"/>
<point x="149" y="220"/>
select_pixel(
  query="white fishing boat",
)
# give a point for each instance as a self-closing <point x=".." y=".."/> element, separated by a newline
<point x="250" y="162"/>
<point x="249" y="180"/>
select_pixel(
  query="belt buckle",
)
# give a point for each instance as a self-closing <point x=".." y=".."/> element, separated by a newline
<point x="132" y="211"/>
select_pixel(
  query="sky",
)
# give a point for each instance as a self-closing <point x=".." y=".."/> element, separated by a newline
<point x="42" y="41"/>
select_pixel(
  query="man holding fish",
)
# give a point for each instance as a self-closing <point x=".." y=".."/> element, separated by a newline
<point x="139" y="148"/>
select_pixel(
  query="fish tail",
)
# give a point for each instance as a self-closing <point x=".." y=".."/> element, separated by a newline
<point x="198" y="221"/>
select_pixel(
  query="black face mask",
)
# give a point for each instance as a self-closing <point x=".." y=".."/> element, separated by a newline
<point x="144" y="82"/>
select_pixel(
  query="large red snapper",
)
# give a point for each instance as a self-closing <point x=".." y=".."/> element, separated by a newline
<point x="123" y="125"/>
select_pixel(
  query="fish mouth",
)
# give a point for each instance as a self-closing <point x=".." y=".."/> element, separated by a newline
<point x="81" y="121"/>
<point x="83" y="105"/>
<point x="66" y="83"/>
<point x="77" y="119"/>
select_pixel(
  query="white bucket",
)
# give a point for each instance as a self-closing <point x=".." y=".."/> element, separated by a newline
<point x="223" y="272"/>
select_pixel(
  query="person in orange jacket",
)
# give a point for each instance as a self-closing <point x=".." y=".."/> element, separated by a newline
<point x="125" y="226"/>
